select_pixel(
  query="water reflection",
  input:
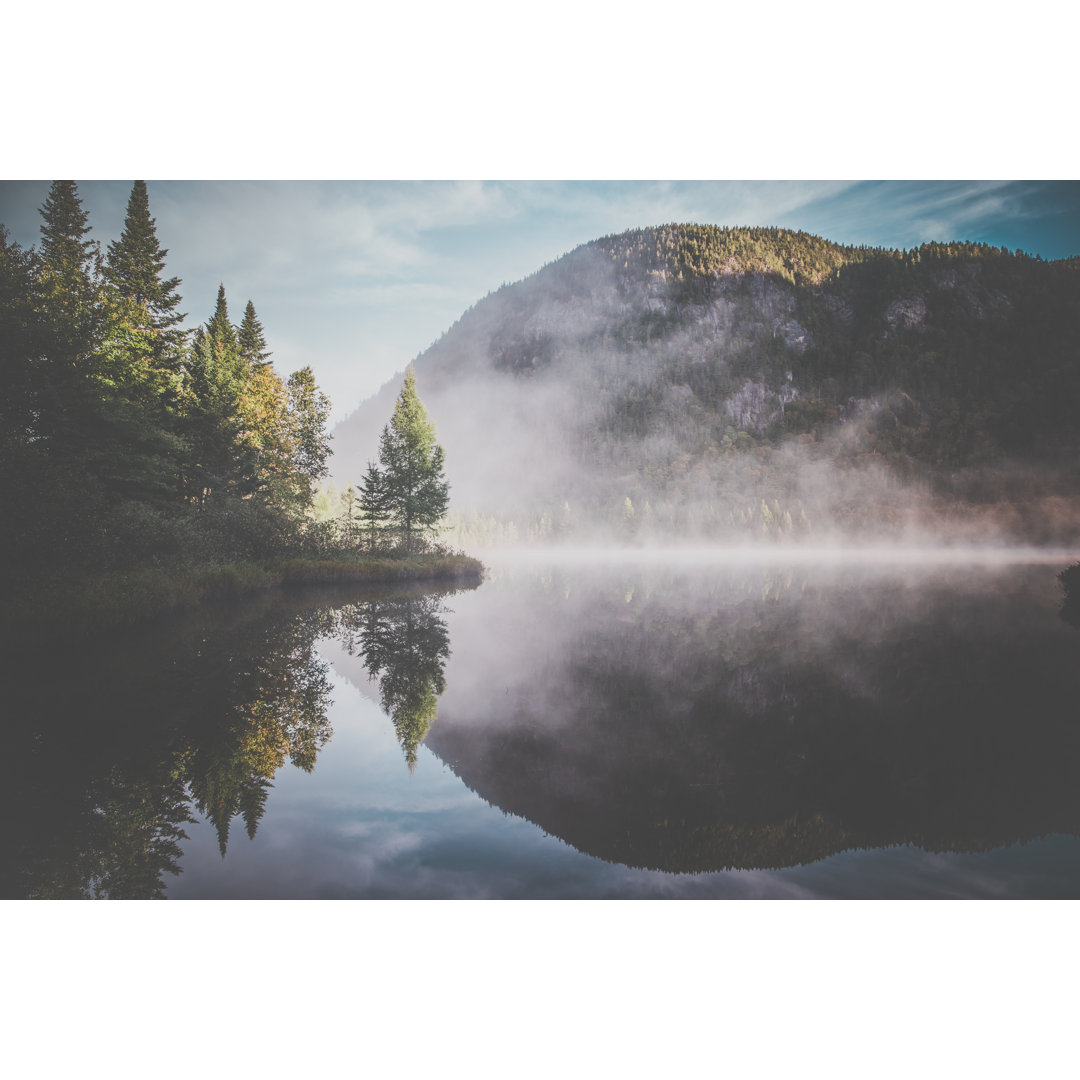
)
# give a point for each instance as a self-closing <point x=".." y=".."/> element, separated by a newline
<point x="683" y="731"/>
<point x="116" y="745"/>
<point x="762" y="719"/>
<point x="405" y="644"/>
<point x="1070" y="584"/>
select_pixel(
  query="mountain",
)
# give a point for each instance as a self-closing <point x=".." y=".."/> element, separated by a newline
<point x="707" y="382"/>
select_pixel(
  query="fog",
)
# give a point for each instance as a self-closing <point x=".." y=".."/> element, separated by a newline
<point x="781" y="555"/>
<point x="593" y="404"/>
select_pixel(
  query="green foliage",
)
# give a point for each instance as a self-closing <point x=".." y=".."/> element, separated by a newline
<point x="124" y="447"/>
<point x="374" y="506"/>
<point x="693" y="256"/>
<point x="308" y="412"/>
<point x="64" y="251"/>
<point x="412" y="488"/>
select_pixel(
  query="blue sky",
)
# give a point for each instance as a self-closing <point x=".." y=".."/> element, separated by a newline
<point x="357" y="278"/>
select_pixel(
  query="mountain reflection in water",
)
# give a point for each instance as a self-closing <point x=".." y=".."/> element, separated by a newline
<point x="760" y="718"/>
<point x="687" y="731"/>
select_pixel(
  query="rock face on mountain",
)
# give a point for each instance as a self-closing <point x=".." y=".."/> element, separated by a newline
<point x="710" y="382"/>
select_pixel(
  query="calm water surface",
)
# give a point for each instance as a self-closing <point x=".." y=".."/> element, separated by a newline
<point x="614" y="729"/>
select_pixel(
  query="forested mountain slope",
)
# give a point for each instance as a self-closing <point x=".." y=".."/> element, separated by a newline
<point x="706" y="382"/>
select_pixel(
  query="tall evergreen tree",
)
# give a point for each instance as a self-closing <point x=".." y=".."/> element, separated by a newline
<point x="222" y="333"/>
<point x="215" y="379"/>
<point x="65" y="225"/>
<point x="143" y="341"/>
<point x="98" y="411"/>
<point x="252" y="340"/>
<point x="417" y="495"/>
<point x="69" y="305"/>
<point x="135" y="263"/>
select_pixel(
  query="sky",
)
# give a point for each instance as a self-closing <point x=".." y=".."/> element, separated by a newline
<point x="357" y="278"/>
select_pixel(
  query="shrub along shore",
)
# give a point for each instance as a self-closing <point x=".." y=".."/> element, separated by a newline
<point x="75" y="606"/>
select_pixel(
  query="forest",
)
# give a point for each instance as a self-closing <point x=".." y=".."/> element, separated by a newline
<point x="143" y="464"/>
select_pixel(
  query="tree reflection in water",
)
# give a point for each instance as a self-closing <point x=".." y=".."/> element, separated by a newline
<point x="405" y="645"/>
<point x="107" y="763"/>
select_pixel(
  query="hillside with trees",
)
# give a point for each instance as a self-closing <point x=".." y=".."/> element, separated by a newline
<point x="698" y="382"/>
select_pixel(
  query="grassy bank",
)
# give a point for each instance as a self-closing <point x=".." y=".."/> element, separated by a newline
<point x="71" y="606"/>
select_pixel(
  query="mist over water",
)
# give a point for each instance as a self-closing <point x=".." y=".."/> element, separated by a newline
<point x="765" y="554"/>
<point x="754" y="716"/>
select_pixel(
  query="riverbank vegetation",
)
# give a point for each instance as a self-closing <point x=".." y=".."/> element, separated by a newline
<point x="144" y="466"/>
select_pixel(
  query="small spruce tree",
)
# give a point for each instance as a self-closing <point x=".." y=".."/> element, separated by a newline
<point x="373" y="506"/>
<point x="222" y="333"/>
<point x="417" y="495"/>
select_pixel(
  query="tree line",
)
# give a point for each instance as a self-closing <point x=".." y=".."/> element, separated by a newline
<point x="128" y="441"/>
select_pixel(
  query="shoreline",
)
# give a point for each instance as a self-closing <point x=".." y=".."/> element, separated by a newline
<point x="75" y="607"/>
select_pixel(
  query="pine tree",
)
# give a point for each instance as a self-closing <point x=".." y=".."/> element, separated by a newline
<point x="373" y="505"/>
<point x="67" y="278"/>
<point x="99" y="404"/>
<point x="252" y="340"/>
<point x="63" y="249"/>
<point x="69" y="304"/>
<point x="142" y="339"/>
<point x="214" y="382"/>
<point x="135" y="263"/>
<point x="221" y="332"/>
<point x="417" y="494"/>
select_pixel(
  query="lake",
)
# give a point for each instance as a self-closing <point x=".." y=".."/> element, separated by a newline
<point x="583" y="725"/>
